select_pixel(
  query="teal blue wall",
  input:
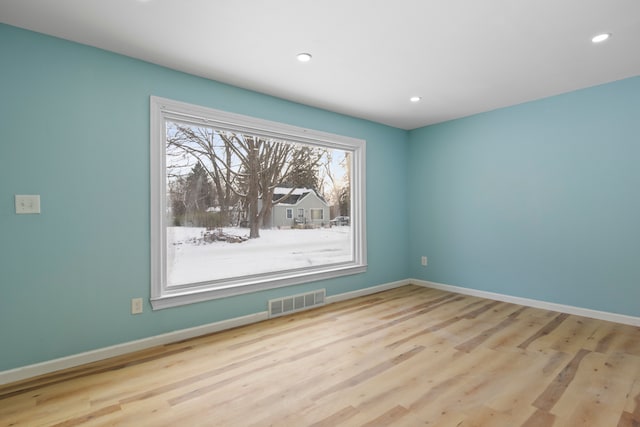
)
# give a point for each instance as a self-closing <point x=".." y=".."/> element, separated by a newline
<point x="74" y="128"/>
<point x="540" y="200"/>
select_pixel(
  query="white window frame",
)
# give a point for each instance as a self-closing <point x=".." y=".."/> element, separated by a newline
<point x="163" y="110"/>
<point x="289" y="213"/>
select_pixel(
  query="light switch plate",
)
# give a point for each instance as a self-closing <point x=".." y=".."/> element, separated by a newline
<point x="27" y="203"/>
<point x="136" y="305"/>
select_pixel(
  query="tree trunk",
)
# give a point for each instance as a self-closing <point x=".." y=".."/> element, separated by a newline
<point x="267" y="207"/>
<point x="253" y="192"/>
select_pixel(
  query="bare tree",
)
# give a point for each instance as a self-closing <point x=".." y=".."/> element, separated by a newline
<point x="190" y="144"/>
<point x="241" y="166"/>
<point x="265" y="164"/>
<point x="345" y="193"/>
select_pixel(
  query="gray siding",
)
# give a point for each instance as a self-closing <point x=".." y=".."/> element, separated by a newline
<point x="310" y="202"/>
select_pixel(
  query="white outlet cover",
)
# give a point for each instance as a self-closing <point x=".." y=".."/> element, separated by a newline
<point x="136" y="305"/>
<point x="27" y="203"/>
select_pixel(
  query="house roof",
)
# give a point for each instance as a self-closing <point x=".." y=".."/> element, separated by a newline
<point x="297" y="194"/>
<point x="295" y="191"/>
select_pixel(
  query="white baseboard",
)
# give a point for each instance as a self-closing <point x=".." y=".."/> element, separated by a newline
<point x="367" y="291"/>
<point x="49" y="366"/>
<point x="37" y="369"/>
<point x="569" y="309"/>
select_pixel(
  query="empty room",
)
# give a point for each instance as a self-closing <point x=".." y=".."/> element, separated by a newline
<point x="338" y="213"/>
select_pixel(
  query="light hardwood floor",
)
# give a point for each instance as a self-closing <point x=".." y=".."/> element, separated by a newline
<point x="407" y="357"/>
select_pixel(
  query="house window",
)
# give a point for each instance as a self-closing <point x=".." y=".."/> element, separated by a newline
<point x="317" y="214"/>
<point x="219" y="184"/>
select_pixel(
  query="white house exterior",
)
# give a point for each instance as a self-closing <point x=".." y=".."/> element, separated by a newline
<point x="302" y="206"/>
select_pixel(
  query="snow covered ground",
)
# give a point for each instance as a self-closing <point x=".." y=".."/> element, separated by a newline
<point x="189" y="260"/>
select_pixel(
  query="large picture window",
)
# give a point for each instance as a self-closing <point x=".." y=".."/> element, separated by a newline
<point x="224" y="189"/>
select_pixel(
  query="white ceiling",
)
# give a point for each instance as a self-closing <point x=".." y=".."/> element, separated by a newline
<point x="369" y="56"/>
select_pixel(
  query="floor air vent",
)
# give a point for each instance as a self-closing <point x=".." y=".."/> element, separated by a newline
<point x="291" y="304"/>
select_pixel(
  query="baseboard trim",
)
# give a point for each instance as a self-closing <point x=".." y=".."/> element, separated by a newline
<point x="569" y="309"/>
<point x="367" y="291"/>
<point x="37" y="369"/>
<point x="30" y="371"/>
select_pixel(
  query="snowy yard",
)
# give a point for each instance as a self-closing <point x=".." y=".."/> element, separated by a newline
<point x="189" y="260"/>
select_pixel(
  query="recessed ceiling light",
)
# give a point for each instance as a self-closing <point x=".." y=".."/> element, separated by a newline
<point x="601" y="37"/>
<point x="304" y="57"/>
<point x="415" y="98"/>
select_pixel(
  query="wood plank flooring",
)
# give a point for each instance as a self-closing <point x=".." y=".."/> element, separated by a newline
<point x="411" y="356"/>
